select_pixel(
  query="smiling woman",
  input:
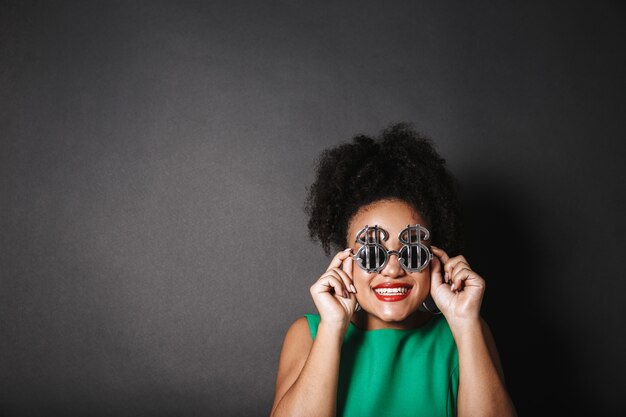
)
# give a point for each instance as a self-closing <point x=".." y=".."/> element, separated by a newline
<point x="379" y="346"/>
<point x="392" y="296"/>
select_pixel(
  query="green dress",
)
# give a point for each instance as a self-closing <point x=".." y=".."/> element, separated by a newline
<point x="397" y="373"/>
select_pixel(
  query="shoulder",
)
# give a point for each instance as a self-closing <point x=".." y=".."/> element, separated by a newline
<point x="302" y="329"/>
<point x="442" y="341"/>
<point x="297" y="343"/>
<point x="296" y="348"/>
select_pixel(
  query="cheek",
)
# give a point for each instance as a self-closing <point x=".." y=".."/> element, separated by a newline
<point x="423" y="282"/>
<point x="361" y="279"/>
<point x="423" y="278"/>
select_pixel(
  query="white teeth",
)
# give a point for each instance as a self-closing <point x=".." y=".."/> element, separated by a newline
<point x="391" y="291"/>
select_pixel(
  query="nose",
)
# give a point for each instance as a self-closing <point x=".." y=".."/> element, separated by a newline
<point x="393" y="269"/>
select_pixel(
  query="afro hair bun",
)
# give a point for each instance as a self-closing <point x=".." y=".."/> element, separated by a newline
<point x="399" y="164"/>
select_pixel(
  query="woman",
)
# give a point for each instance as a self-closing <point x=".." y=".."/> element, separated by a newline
<point x="379" y="347"/>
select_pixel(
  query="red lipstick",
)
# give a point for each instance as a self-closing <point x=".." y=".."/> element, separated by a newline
<point x="392" y="291"/>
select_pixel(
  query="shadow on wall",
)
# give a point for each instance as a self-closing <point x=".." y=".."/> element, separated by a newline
<point x="506" y="238"/>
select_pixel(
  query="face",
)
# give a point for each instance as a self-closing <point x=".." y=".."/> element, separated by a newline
<point x="384" y="307"/>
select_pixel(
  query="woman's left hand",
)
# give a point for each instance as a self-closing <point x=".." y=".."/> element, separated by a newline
<point x="455" y="288"/>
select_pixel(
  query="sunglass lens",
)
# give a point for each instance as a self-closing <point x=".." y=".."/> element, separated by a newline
<point x="371" y="257"/>
<point x="413" y="257"/>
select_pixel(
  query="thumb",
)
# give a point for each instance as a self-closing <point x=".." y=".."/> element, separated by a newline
<point x="436" y="279"/>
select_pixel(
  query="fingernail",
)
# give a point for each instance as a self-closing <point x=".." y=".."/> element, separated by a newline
<point x="447" y="276"/>
<point x="347" y="249"/>
<point x="452" y="287"/>
<point x="353" y="288"/>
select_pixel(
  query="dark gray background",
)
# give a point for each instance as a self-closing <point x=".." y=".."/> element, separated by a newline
<point x="154" y="160"/>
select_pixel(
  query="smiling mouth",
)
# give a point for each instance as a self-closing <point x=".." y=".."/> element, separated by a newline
<point x="393" y="292"/>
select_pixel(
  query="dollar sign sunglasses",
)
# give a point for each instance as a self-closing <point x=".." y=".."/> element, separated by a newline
<point x="413" y="256"/>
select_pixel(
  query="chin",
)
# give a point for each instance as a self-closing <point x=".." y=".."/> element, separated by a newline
<point x="394" y="316"/>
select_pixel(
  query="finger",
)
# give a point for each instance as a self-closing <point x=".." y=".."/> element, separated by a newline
<point x="344" y="291"/>
<point x="347" y="282"/>
<point x="440" y="253"/>
<point x="468" y="278"/>
<point x="459" y="278"/>
<point x="347" y="267"/>
<point x="329" y="283"/>
<point x="451" y="263"/>
<point x="339" y="258"/>
<point x="458" y="266"/>
<point x="444" y="260"/>
<point x="440" y="292"/>
<point x="455" y="260"/>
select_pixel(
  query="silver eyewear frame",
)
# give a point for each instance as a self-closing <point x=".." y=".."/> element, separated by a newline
<point x="372" y="257"/>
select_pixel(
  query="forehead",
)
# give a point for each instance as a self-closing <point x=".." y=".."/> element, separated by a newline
<point x="391" y="215"/>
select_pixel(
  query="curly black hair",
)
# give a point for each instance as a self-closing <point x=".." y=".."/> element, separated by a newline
<point x="400" y="164"/>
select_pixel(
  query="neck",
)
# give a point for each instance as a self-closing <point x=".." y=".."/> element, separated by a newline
<point x="365" y="321"/>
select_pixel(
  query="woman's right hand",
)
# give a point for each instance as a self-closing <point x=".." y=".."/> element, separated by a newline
<point x="334" y="294"/>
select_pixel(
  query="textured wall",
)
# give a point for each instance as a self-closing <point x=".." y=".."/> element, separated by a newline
<point x="154" y="159"/>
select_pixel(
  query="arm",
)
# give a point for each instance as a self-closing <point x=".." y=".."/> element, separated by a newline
<point x="308" y="371"/>
<point x="481" y="381"/>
